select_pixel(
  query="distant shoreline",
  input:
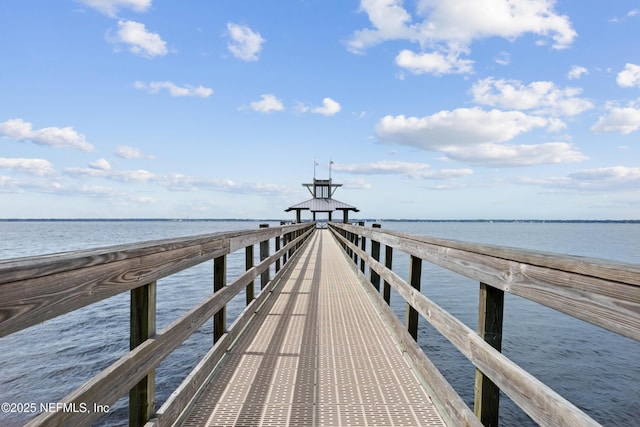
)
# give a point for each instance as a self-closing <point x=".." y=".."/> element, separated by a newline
<point x="588" y="221"/>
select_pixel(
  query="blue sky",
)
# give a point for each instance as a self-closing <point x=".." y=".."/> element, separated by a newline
<point x="429" y="109"/>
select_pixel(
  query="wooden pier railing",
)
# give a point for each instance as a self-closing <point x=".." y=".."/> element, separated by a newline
<point x="36" y="289"/>
<point x="601" y="292"/>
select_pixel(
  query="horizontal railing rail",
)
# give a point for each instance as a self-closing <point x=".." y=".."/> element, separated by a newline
<point x="601" y="292"/>
<point x="35" y="289"/>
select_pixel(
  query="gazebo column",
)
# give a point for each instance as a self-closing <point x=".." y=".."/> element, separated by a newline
<point x="298" y="216"/>
<point x="346" y="216"/>
<point x="330" y="215"/>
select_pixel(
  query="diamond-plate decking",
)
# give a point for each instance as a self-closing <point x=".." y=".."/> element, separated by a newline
<point x="318" y="355"/>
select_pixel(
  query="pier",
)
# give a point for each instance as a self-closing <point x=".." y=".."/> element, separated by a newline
<point x="317" y="343"/>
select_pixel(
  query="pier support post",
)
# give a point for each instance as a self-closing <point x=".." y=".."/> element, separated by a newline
<point x="219" y="281"/>
<point x="415" y="273"/>
<point x="142" y="327"/>
<point x="264" y="254"/>
<point x="490" y="314"/>
<point x="374" y="277"/>
<point x="248" y="262"/>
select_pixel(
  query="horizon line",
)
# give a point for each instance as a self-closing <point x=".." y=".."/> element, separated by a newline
<point x="97" y="219"/>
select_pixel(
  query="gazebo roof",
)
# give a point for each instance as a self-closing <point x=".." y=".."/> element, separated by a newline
<point x="322" y="205"/>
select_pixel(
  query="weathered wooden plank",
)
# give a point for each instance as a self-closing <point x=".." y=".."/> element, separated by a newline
<point x="604" y="269"/>
<point x="12" y="270"/>
<point x="30" y="301"/>
<point x="35" y="289"/>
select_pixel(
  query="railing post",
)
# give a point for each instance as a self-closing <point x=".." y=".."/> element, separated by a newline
<point x="354" y="254"/>
<point x="415" y="273"/>
<point x="264" y="254"/>
<point x="277" y="249"/>
<point x="248" y="261"/>
<point x="490" y="314"/>
<point x="375" y="254"/>
<point x="142" y="327"/>
<point x="363" y="246"/>
<point x="219" y="282"/>
<point x="285" y="241"/>
<point x="388" y="262"/>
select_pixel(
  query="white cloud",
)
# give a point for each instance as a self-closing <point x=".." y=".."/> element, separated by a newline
<point x="503" y="58"/>
<point x="140" y="41"/>
<point x="630" y="76"/>
<point x="20" y="130"/>
<point x="463" y="126"/>
<point x="174" y="90"/>
<point x="173" y="181"/>
<point x="509" y="155"/>
<point x="474" y="136"/>
<point x="11" y="185"/>
<point x="329" y="107"/>
<point x="462" y="21"/>
<point x="434" y="63"/>
<point x="245" y="44"/>
<point x="455" y="24"/>
<point x="39" y="167"/>
<point x="576" y="72"/>
<point x="108" y="193"/>
<point x="541" y="97"/>
<point x="111" y="7"/>
<point x="630" y="14"/>
<point x="409" y="169"/>
<point x="390" y="20"/>
<point x="622" y="120"/>
<point x="126" y="152"/>
<point x="609" y="179"/>
<point x="356" y="184"/>
<point x="101" y="164"/>
<point x="181" y="182"/>
<point x="267" y="104"/>
<point x="98" y="170"/>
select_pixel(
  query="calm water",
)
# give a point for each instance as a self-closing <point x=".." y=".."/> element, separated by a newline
<point x="596" y="370"/>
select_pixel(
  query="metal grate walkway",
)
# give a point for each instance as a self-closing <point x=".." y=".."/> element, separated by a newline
<point x="319" y="355"/>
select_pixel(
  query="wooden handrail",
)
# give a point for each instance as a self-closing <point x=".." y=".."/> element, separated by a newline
<point x="605" y="293"/>
<point x="35" y="289"/>
<point x="587" y="289"/>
